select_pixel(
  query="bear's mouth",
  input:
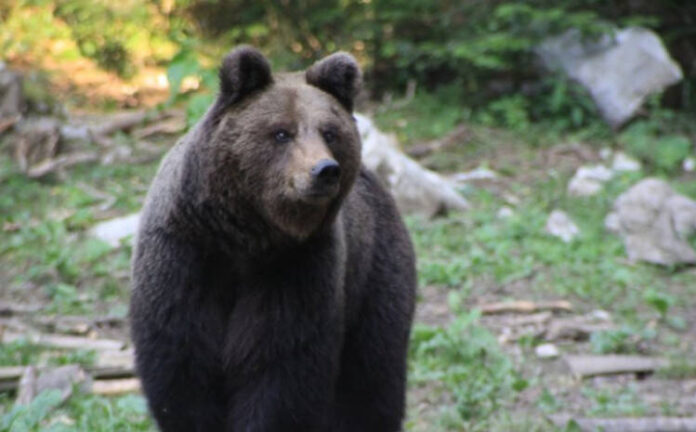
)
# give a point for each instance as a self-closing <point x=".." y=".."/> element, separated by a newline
<point x="320" y="194"/>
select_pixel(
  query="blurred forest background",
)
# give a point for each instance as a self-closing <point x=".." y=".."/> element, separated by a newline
<point x="506" y="309"/>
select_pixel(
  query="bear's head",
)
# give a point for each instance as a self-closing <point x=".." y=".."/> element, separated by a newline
<point x="283" y="147"/>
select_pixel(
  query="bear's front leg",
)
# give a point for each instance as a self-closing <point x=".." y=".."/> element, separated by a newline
<point x="175" y="338"/>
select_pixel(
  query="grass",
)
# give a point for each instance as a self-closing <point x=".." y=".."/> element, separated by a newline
<point x="460" y="377"/>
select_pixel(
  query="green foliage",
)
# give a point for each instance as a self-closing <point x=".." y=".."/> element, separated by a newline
<point x="606" y="402"/>
<point x="465" y="361"/>
<point x="83" y="413"/>
<point x="29" y="417"/>
<point x="620" y="341"/>
<point x="661" y="151"/>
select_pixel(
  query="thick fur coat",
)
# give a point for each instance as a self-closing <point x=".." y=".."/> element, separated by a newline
<point x="273" y="278"/>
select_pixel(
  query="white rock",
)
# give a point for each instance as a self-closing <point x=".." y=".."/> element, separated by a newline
<point x="588" y="180"/>
<point x="612" y="223"/>
<point x="619" y="70"/>
<point x="560" y="225"/>
<point x="505" y="212"/>
<point x="480" y="173"/>
<point x="416" y="190"/>
<point x="546" y="351"/>
<point x="655" y="223"/>
<point x="605" y="153"/>
<point x="689" y="164"/>
<point x="600" y="315"/>
<point x="114" y="230"/>
<point x="623" y="162"/>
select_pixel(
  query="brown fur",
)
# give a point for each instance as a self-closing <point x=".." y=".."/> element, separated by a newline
<point x="266" y="298"/>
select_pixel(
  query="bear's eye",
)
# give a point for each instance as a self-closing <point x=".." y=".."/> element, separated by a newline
<point x="282" y="136"/>
<point x="329" y="136"/>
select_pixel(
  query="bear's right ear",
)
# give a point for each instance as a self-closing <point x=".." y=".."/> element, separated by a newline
<point x="244" y="70"/>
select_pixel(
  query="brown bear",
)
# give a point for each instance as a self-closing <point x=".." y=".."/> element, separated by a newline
<point x="273" y="278"/>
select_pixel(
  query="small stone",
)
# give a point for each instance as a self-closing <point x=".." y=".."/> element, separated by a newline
<point x="480" y="173"/>
<point x="600" y="315"/>
<point x="689" y="164"/>
<point x="114" y="230"/>
<point x="546" y="351"/>
<point x="588" y="180"/>
<point x="623" y="162"/>
<point x="612" y="223"/>
<point x="560" y="225"/>
<point x="605" y="153"/>
<point x="505" y="212"/>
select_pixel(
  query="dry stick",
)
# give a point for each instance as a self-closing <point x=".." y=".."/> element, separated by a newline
<point x="107" y="380"/>
<point x="574" y="329"/>
<point x="650" y="424"/>
<point x="64" y="342"/>
<point x="588" y="365"/>
<point x="172" y="125"/>
<point x="9" y="309"/>
<point x="26" y="389"/>
<point x="114" y="387"/>
<point x="51" y="165"/>
<point x="119" y="122"/>
<point x="10" y="375"/>
<point x="525" y="307"/>
<point x="8" y="122"/>
<point x="459" y="134"/>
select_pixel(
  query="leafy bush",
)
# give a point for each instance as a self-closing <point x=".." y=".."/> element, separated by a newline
<point x="663" y="152"/>
<point x="465" y="361"/>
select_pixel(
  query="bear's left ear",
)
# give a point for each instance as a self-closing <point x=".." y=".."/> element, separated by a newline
<point x="338" y="75"/>
<point x="243" y="71"/>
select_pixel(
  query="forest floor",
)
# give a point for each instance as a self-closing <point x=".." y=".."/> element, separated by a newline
<point x="469" y="370"/>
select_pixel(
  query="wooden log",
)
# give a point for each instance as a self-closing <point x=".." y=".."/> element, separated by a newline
<point x="522" y="306"/>
<point x="591" y="365"/>
<point x="645" y="424"/>
<point x="11" y="373"/>
<point x="64" y="161"/>
<point x="9" y="309"/>
<point x="120" y="122"/>
<point x="64" y="342"/>
<point x="460" y="134"/>
<point x="115" y="387"/>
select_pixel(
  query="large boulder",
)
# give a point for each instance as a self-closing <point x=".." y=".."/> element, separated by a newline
<point x="416" y="190"/>
<point x="619" y="70"/>
<point x="655" y="223"/>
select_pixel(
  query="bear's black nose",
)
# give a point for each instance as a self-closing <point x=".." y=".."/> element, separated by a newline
<point x="326" y="171"/>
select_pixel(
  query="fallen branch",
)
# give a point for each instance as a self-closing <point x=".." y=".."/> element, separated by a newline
<point x="649" y="424"/>
<point x="122" y="121"/>
<point x="460" y="134"/>
<point x="26" y="389"/>
<point x="61" y="378"/>
<point x="51" y="165"/>
<point x="9" y="309"/>
<point x="522" y="306"/>
<point x="173" y="125"/>
<point x="11" y="373"/>
<point x="8" y="122"/>
<point x="76" y="325"/>
<point x="115" y="387"/>
<point x="592" y="365"/>
<point x="577" y="329"/>
<point x="64" y="342"/>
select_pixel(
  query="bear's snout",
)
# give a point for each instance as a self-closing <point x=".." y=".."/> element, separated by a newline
<point x="326" y="172"/>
